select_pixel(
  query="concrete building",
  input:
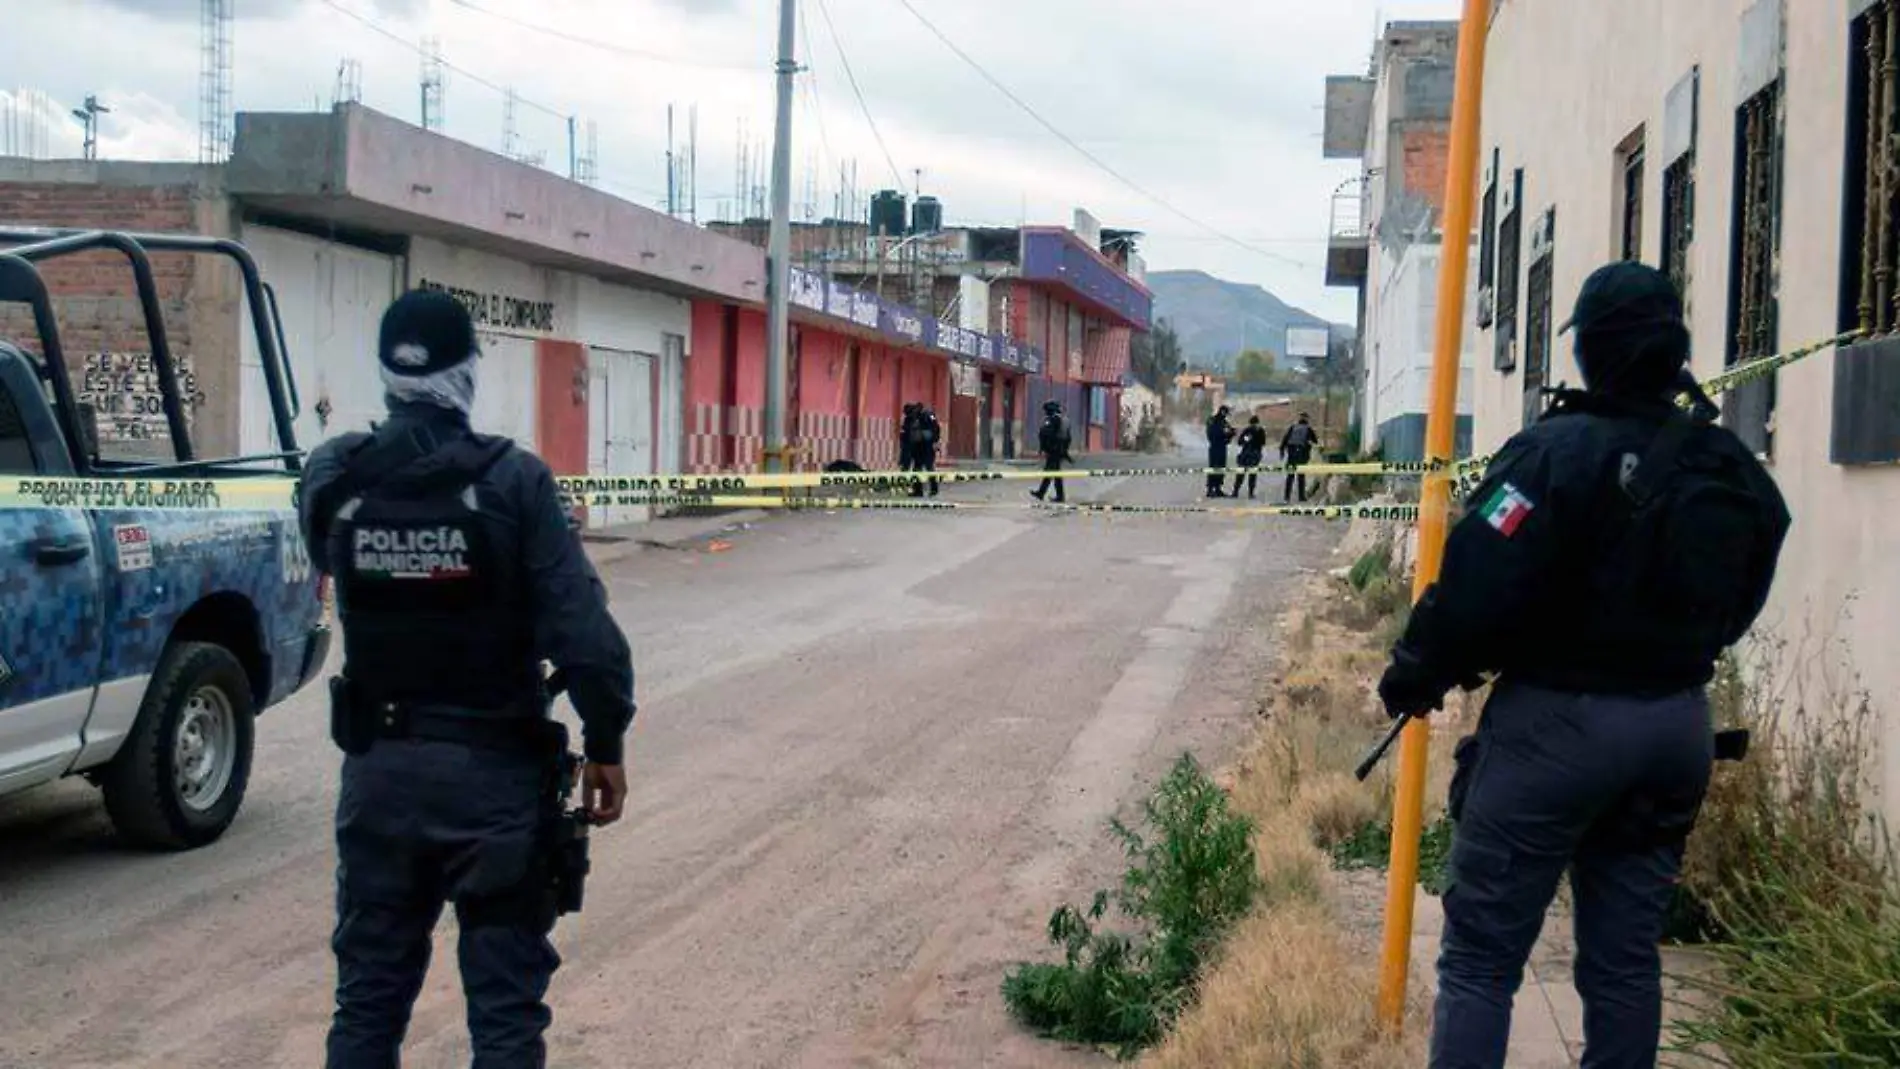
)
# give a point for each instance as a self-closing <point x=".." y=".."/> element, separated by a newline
<point x="1386" y="226"/>
<point x="583" y="302"/>
<point x="616" y="340"/>
<point x="1074" y="293"/>
<point x="1740" y="146"/>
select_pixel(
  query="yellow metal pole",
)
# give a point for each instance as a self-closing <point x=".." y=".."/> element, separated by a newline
<point x="1461" y="179"/>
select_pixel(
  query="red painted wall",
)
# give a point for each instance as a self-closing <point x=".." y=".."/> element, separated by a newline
<point x="560" y="431"/>
<point x="726" y="394"/>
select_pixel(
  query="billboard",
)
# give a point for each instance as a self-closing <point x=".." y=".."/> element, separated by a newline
<point x="1308" y="343"/>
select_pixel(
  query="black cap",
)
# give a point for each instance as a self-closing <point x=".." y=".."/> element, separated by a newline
<point x="425" y="332"/>
<point x="1052" y="406"/>
<point x="1623" y="295"/>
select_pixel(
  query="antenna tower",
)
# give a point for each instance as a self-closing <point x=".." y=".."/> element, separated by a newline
<point x="692" y="164"/>
<point x="433" y="83"/>
<point x="214" y="80"/>
<point x="587" y="170"/>
<point x="349" y="83"/>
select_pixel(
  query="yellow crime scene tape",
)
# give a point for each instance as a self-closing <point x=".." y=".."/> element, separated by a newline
<point x="277" y="492"/>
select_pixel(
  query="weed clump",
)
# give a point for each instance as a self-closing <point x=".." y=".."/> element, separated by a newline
<point x="1791" y="879"/>
<point x="1185" y="888"/>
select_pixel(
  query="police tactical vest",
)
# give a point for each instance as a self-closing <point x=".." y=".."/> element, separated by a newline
<point x="433" y="613"/>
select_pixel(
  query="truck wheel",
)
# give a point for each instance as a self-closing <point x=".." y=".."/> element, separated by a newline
<point x="180" y="777"/>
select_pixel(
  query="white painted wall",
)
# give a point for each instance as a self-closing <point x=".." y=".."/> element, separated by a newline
<point x="331" y="298"/>
<point x="1559" y="111"/>
<point x="1401" y="339"/>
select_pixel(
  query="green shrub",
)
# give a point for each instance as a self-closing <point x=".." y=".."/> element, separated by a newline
<point x="1185" y="888"/>
<point x="1371" y="848"/>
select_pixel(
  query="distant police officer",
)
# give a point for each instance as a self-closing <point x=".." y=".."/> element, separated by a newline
<point x="1253" y="446"/>
<point x="927" y="431"/>
<point x="1220" y="433"/>
<point x="457" y="576"/>
<point x="908" y="438"/>
<point x="1617" y="547"/>
<point x="1054" y="440"/>
<point x="1296" y="447"/>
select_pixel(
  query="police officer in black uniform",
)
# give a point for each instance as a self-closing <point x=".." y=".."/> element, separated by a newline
<point x="1054" y="439"/>
<point x="907" y="439"/>
<point x="457" y="575"/>
<point x="1615" y="549"/>
<point x="927" y="432"/>
<point x="1220" y="433"/>
<point x="1296" y="447"/>
<point x="1253" y="447"/>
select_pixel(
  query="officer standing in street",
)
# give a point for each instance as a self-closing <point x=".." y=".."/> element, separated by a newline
<point x="1296" y="448"/>
<point x="1253" y="446"/>
<point x="928" y="432"/>
<point x="457" y="575"/>
<point x="907" y="439"/>
<point x="1617" y="547"/>
<point x="1054" y="440"/>
<point x="1219" y="434"/>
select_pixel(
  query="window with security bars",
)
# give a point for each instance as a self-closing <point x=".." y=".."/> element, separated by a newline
<point x="1538" y="309"/>
<point x="1630" y="210"/>
<point x="1678" y="220"/>
<point x="1866" y="423"/>
<point x="1488" y="246"/>
<point x="1872" y="276"/>
<point x="1754" y="298"/>
<point x="1510" y="242"/>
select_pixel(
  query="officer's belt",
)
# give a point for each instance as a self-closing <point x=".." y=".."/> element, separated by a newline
<point x="496" y="729"/>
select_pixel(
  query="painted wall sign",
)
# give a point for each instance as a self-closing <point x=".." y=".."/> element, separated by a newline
<point x="499" y="311"/>
<point x="813" y="292"/>
<point x="123" y="389"/>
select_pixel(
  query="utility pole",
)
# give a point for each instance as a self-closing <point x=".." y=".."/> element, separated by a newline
<point x="88" y="115"/>
<point x="779" y="246"/>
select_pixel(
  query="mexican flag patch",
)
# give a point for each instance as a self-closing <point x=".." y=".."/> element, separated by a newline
<point x="1507" y="509"/>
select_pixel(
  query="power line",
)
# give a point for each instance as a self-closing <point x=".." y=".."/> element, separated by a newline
<point x="896" y="171"/>
<point x="418" y="49"/>
<point x="1072" y="143"/>
<point x="604" y="46"/>
<point x="811" y="87"/>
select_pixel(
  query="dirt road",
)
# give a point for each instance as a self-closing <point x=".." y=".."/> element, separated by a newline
<point x="874" y="751"/>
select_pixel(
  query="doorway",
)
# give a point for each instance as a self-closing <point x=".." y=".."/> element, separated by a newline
<point x="1009" y="419"/>
<point x="986" y="420"/>
<point x="619" y="425"/>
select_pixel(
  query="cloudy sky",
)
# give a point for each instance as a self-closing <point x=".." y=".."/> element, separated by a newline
<point x="1207" y="110"/>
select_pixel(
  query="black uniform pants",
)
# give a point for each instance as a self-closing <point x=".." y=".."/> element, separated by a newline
<point x="1217" y="461"/>
<point x="1052" y="462"/>
<point x="420" y="824"/>
<point x="1605" y="787"/>
<point x="1251" y="478"/>
<point x="1294" y="476"/>
<point x="923" y="458"/>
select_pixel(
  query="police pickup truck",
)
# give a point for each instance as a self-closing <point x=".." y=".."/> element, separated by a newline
<point x="140" y="631"/>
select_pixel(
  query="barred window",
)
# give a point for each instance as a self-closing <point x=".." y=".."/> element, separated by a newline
<point x="1538" y="325"/>
<point x="1488" y="244"/>
<point x="1629" y="159"/>
<point x="1754" y="299"/>
<point x="1510" y="237"/>
<point x="1873" y="189"/>
<point x="1866" y="404"/>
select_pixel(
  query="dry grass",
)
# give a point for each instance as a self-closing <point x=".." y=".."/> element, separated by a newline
<point x="1290" y="992"/>
<point x="1292" y="987"/>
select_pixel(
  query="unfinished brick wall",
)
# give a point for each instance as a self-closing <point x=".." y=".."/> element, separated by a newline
<point x="101" y="324"/>
<point x="1427" y="152"/>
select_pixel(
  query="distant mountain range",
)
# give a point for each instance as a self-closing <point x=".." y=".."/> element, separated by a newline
<point x="1217" y="319"/>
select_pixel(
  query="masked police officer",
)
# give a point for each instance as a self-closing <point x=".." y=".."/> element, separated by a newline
<point x="1615" y="549"/>
<point x="457" y="575"/>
